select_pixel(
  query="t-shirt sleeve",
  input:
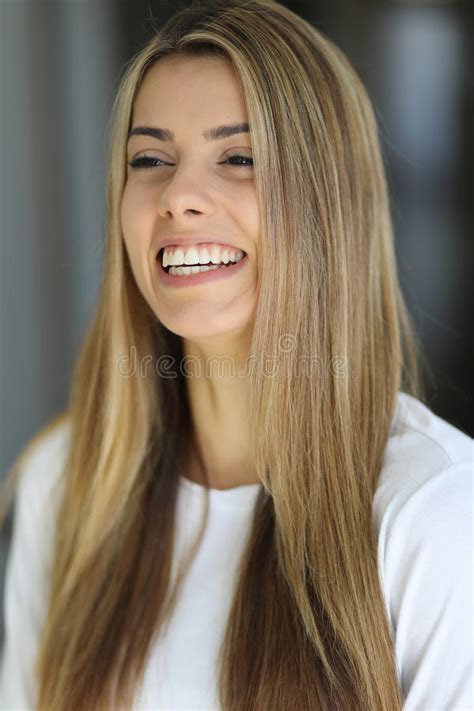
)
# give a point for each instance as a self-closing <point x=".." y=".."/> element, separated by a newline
<point x="428" y="581"/>
<point x="27" y="576"/>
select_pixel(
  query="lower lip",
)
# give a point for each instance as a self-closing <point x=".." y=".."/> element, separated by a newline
<point x="225" y="272"/>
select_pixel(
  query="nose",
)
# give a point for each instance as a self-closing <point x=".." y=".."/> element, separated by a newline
<point x="185" y="193"/>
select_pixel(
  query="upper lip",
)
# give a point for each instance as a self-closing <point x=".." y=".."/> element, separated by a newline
<point x="188" y="240"/>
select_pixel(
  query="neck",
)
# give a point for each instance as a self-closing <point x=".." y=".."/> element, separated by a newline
<point x="218" y="451"/>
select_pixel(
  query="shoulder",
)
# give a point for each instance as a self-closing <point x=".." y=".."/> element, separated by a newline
<point x="38" y="495"/>
<point x="27" y="574"/>
<point x="48" y="442"/>
<point x="41" y="466"/>
<point x="418" y="432"/>
<point x="423" y="514"/>
<point x="426" y="473"/>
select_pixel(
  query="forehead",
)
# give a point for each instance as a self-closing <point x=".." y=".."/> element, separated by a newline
<point x="190" y="87"/>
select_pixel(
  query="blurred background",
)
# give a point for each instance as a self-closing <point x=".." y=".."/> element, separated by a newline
<point x="61" y="62"/>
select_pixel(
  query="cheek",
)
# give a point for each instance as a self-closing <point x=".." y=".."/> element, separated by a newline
<point x="249" y="214"/>
<point x="136" y="219"/>
<point x="137" y="229"/>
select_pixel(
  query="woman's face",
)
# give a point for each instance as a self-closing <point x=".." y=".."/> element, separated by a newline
<point x="196" y="191"/>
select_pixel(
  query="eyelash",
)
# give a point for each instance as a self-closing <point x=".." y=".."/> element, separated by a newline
<point x="144" y="162"/>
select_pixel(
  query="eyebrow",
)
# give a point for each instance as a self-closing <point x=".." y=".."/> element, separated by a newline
<point x="210" y="134"/>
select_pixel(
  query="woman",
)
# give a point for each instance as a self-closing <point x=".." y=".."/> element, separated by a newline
<point x="291" y="532"/>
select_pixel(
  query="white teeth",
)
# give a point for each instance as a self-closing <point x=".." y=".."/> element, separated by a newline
<point x="191" y="256"/>
<point x="183" y="271"/>
<point x="204" y="256"/>
<point x="178" y="256"/>
<point x="200" y="255"/>
<point x="215" y="255"/>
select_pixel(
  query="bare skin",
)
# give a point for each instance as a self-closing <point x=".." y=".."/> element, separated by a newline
<point x="195" y="190"/>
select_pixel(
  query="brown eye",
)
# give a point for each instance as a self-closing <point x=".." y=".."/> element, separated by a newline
<point x="239" y="164"/>
<point x="146" y="162"/>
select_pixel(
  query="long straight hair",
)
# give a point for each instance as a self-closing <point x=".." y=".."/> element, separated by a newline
<point x="308" y="627"/>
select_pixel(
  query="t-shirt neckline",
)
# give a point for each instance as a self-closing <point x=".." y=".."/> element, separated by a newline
<point x="236" y="497"/>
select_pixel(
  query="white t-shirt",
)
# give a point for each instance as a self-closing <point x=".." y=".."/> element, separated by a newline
<point x="423" y="514"/>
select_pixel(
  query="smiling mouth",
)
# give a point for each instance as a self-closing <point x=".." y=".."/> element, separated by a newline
<point x="196" y="264"/>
